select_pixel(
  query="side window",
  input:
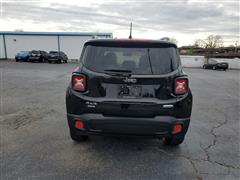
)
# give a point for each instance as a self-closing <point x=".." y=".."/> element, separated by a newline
<point x="176" y="59"/>
<point x="85" y="55"/>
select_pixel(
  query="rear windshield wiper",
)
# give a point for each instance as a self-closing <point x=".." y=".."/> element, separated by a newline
<point x="149" y="59"/>
<point x="118" y="72"/>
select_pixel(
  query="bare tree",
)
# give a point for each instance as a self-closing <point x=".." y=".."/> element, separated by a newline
<point x="197" y="43"/>
<point x="212" y="41"/>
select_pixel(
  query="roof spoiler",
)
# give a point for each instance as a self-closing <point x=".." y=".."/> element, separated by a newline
<point x="165" y="39"/>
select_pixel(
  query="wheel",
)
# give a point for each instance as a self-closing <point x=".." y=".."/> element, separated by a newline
<point x="43" y="60"/>
<point x="174" y="141"/>
<point x="60" y="61"/>
<point x="214" y="68"/>
<point x="204" y="67"/>
<point x="78" y="138"/>
<point x="49" y="61"/>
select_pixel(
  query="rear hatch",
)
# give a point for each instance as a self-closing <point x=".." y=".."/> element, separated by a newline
<point x="53" y="54"/>
<point x="130" y="81"/>
<point x="223" y="64"/>
<point x="35" y="54"/>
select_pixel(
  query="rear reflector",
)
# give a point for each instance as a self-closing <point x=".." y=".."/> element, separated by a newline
<point x="181" y="85"/>
<point x="177" y="128"/>
<point x="79" y="124"/>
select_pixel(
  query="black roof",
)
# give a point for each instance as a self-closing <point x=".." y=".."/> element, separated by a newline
<point x="130" y="43"/>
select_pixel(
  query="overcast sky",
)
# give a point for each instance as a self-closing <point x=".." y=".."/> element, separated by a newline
<point x="185" y="20"/>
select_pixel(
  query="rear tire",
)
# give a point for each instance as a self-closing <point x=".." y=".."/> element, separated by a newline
<point x="174" y="141"/>
<point x="78" y="138"/>
<point x="214" y="68"/>
<point x="204" y="67"/>
<point x="60" y="61"/>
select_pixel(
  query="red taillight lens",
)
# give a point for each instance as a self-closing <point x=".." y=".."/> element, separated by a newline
<point x="79" y="124"/>
<point x="177" y="128"/>
<point x="79" y="82"/>
<point x="181" y="85"/>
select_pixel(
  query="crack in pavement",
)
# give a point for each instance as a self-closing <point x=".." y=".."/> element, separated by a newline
<point x="191" y="160"/>
<point x="193" y="163"/>
<point x="206" y="149"/>
<point x="216" y="127"/>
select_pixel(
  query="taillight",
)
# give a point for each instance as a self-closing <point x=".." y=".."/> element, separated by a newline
<point x="79" y="82"/>
<point x="181" y="86"/>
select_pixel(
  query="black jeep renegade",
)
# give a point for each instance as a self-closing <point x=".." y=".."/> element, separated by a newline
<point x="129" y="87"/>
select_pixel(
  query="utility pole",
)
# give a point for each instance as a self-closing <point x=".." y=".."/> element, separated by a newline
<point x="236" y="46"/>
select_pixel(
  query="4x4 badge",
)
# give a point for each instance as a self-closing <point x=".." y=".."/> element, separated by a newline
<point x="129" y="80"/>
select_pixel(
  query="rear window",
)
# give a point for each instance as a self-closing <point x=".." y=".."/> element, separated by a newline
<point x="35" y="52"/>
<point x="53" y="52"/>
<point x="22" y="52"/>
<point x="137" y="60"/>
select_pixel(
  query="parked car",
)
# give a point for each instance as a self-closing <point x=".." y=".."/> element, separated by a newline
<point x="129" y="87"/>
<point x="37" y="55"/>
<point x="213" y="64"/>
<point x="57" y="57"/>
<point x="22" y="56"/>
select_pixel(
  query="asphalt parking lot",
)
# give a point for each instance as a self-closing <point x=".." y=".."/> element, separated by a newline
<point x="35" y="142"/>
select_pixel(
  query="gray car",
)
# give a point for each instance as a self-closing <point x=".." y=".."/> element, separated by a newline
<point x="57" y="57"/>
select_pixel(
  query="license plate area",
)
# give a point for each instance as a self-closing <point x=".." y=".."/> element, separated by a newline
<point x="129" y="91"/>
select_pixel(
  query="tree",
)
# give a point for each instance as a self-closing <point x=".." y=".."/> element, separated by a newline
<point x="197" y="43"/>
<point x="212" y="41"/>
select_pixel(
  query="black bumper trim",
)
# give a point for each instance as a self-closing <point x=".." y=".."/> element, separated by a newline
<point x="160" y="126"/>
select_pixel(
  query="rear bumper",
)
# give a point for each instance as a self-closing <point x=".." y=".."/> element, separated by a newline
<point x="53" y="59"/>
<point x="35" y="58"/>
<point x="21" y="58"/>
<point x="222" y="66"/>
<point x="158" y="126"/>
